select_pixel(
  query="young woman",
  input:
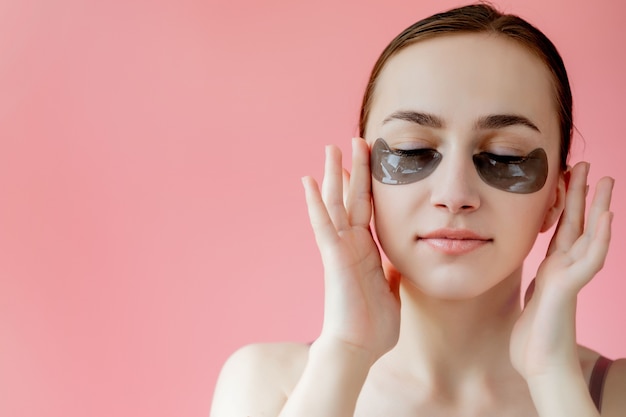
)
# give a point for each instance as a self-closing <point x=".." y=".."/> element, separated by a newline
<point x="466" y="125"/>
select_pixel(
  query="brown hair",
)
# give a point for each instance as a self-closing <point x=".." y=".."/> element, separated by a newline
<point x="484" y="18"/>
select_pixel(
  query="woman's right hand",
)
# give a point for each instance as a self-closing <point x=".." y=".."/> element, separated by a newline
<point x="362" y="303"/>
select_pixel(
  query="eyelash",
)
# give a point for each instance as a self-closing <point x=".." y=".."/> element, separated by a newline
<point x="503" y="159"/>
<point x="413" y="152"/>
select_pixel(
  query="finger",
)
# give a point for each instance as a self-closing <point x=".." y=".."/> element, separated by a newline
<point x="332" y="188"/>
<point x="571" y="223"/>
<point x="346" y="185"/>
<point x="600" y="204"/>
<point x="323" y="227"/>
<point x="599" y="247"/>
<point x="593" y="260"/>
<point x="359" y="196"/>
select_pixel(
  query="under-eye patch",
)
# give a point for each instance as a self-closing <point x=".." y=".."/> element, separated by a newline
<point x="522" y="175"/>
<point x="515" y="174"/>
<point x="396" y="166"/>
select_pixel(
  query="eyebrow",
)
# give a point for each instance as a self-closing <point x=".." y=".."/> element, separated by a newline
<point x="424" y="119"/>
<point x="492" y="121"/>
<point x="499" y="121"/>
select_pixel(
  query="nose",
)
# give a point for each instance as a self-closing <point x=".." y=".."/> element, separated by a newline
<point x="455" y="184"/>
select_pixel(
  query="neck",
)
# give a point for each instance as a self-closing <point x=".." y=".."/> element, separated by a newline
<point x="446" y="338"/>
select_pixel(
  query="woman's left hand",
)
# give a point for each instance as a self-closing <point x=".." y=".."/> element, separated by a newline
<point x="543" y="341"/>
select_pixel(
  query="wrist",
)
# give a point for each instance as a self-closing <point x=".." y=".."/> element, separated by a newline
<point x="331" y="382"/>
<point x="562" y="392"/>
<point x="345" y="355"/>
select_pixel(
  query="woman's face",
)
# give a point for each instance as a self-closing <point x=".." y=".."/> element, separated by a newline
<point x="452" y="234"/>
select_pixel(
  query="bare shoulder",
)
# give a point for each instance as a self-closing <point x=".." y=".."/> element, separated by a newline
<point x="257" y="379"/>
<point x="614" y="398"/>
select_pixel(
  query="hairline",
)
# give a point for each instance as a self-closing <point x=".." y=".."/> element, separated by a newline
<point x="437" y="34"/>
<point x="490" y="30"/>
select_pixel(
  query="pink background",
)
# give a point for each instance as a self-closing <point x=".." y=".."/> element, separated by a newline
<point x="151" y="213"/>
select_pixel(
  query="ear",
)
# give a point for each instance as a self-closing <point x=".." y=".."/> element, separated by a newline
<point x="556" y="208"/>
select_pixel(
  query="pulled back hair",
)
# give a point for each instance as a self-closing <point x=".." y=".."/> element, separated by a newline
<point x="483" y="18"/>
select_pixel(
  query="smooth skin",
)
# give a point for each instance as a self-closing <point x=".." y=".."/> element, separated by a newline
<point x="440" y="334"/>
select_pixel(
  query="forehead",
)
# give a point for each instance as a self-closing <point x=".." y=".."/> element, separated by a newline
<point x="464" y="76"/>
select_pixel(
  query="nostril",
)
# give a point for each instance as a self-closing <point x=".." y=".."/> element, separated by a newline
<point x="457" y="208"/>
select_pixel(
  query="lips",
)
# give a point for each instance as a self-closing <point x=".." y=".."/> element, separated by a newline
<point x="454" y="241"/>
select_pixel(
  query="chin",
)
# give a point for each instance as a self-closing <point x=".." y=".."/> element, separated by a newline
<point x="450" y="289"/>
<point x="457" y="283"/>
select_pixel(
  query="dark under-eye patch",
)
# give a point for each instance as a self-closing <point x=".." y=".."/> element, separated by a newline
<point x="515" y="174"/>
<point x="394" y="167"/>
<point x="522" y="175"/>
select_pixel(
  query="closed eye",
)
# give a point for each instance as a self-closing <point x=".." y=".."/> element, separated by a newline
<point x="504" y="159"/>
<point x="414" y="152"/>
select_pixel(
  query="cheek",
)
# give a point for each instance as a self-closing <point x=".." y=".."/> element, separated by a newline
<point x="381" y="208"/>
<point x="553" y="203"/>
<point x="394" y="212"/>
<point x="531" y="210"/>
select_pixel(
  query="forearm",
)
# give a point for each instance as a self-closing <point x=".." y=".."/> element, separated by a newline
<point x="330" y="384"/>
<point x="564" y="393"/>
